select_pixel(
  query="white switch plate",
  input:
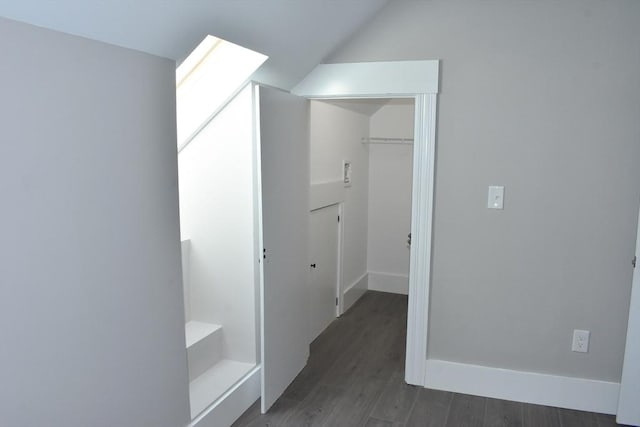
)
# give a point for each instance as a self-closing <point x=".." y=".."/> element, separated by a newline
<point x="496" y="197"/>
<point x="346" y="173"/>
<point x="580" y="341"/>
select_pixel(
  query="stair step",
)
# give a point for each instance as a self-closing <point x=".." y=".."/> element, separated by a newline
<point x="197" y="331"/>
<point x="214" y="382"/>
<point x="204" y="346"/>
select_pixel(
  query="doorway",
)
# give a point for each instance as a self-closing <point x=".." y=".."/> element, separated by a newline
<point x="274" y="378"/>
<point x="361" y="163"/>
<point x="412" y="79"/>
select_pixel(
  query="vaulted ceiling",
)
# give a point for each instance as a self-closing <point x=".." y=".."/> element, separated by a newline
<point x="296" y="34"/>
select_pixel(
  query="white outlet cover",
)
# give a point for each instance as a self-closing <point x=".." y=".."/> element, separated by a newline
<point x="580" y="342"/>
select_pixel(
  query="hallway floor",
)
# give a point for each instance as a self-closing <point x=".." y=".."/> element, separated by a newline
<point x="355" y="378"/>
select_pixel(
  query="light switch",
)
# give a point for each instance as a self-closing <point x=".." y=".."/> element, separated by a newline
<point x="496" y="197"/>
<point x="346" y="173"/>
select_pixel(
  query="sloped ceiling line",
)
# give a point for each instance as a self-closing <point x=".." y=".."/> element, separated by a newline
<point x="295" y="34"/>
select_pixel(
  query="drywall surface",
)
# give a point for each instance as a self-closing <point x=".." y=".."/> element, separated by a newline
<point x="216" y="214"/>
<point x="91" y="314"/>
<point x="540" y="97"/>
<point x="293" y="33"/>
<point x="185" y="248"/>
<point x="335" y="135"/>
<point x="390" y="177"/>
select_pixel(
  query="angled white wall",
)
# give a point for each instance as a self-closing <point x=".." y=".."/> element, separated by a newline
<point x="91" y="315"/>
<point x="335" y="135"/>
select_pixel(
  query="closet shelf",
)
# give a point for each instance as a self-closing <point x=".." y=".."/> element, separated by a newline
<point x="381" y="140"/>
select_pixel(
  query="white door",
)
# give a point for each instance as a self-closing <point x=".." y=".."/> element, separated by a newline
<point x="629" y="401"/>
<point x="323" y="256"/>
<point x="284" y="143"/>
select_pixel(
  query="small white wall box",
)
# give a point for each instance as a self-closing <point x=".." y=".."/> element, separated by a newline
<point x="346" y="173"/>
<point x="496" y="197"/>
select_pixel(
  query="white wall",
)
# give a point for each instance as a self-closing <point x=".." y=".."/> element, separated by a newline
<point x="91" y="314"/>
<point x="541" y="97"/>
<point x="335" y="135"/>
<point x="390" y="177"/>
<point x="217" y="215"/>
<point x="375" y="238"/>
<point x="185" y="249"/>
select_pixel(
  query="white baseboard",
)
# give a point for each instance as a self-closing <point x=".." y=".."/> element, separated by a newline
<point x="529" y="387"/>
<point x="389" y="282"/>
<point x="226" y="410"/>
<point x="354" y="291"/>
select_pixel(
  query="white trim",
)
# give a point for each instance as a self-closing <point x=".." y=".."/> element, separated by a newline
<point x="228" y="408"/>
<point x="358" y="283"/>
<point x="182" y="145"/>
<point x="357" y="79"/>
<point x="389" y="282"/>
<point x="340" y="297"/>
<point x="397" y="79"/>
<point x="353" y="292"/>
<point x="392" y="141"/>
<point x="629" y="403"/>
<point x="260" y="223"/>
<point x="324" y="194"/>
<point x="258" y="241"/>
<point x="421" y="235"/>
<point x="528" y="387"/>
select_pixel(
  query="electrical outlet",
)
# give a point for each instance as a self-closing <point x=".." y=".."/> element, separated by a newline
<point x="580" y="341"/>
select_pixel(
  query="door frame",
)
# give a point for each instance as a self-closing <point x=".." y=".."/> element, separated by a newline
<point x="339" y="279"/>
<point x="399" y="79"/>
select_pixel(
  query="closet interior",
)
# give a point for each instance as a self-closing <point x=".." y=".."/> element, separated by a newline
<point x="360" y="171"/>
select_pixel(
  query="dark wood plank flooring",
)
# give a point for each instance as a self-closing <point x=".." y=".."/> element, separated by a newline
<point x="354" y="377"/>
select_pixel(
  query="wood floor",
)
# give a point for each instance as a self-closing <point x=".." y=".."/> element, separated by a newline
<point x="355" y="378"/>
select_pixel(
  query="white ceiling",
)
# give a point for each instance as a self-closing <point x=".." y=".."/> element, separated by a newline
<point x="366" y="106"/>
<point x="296" y="34"/>
<point x="369" y="106"/>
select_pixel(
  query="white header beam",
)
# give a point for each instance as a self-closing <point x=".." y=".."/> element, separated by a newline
<point x="361" y="79"/>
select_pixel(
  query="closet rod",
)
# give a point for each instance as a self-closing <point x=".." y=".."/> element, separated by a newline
<point x="379" y="140"/>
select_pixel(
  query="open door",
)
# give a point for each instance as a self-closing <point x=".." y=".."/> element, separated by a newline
<point x="628" y="408"/>
<point x="282" y="123"/>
